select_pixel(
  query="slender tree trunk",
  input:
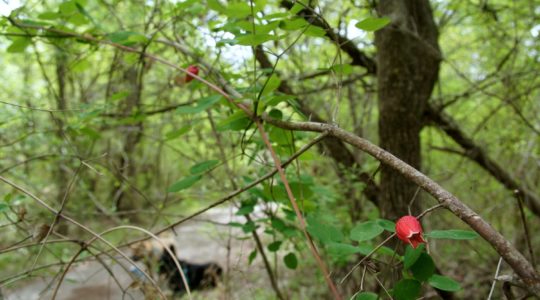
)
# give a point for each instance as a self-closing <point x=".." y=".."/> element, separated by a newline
<point x="408" y="65"/>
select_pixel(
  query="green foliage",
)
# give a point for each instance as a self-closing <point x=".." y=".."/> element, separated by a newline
<point x="407" y="289"/>
<point x="412" y="255"/>
<point x="444" y="283"/>
<point x="184" y="183"/>
<point x="366" y="296"/>
<point x="290" y="261"/>
<point x="423" y="268"/>
<point x="373" y="24"/>
<point x="201" y="105"/>
<point x="78" y="100"/>
<point x="366" y="231"/>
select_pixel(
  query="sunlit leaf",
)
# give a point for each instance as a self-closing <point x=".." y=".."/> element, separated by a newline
<point x="372" y="24"/>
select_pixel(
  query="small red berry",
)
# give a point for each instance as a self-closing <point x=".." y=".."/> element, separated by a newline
<point x="192" y="70"/>
<point x="409" y="230"/>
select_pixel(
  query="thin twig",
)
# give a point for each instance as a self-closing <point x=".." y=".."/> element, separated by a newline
<point x="495" y="278"/>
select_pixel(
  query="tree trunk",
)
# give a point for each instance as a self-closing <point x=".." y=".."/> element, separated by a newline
<point x="408" y="60"/>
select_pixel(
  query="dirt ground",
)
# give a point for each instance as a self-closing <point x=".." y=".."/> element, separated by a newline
<point x="197" y="241"/>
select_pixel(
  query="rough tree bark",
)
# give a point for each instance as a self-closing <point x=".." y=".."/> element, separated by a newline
<point x="408" y="59"/>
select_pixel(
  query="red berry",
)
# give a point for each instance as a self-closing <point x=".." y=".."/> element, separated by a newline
<point x="193" y="70"/>
<point x="409" y="230"/>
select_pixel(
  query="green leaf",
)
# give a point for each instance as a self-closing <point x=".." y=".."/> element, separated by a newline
<point x="290" y="261"/>
<point x="49" y="15"/>
<point x="297" y="7"/>
<point x="366" y="231"/>
<point x="315" y="31"/>
<point x="3" y="207"/>
<point x="252" y="256"/>
<point x="325" y="233"/>
<point x="237" y="10"/>
<point x="373" y="24"/>
<point x="254" y="39"/>
<point x="275" y="100"/>
<point x="245" y="209"/>
<point x="342" y="69"/>
<point x="444" y="283"/>
<point x="119" y="95"/>
<point x="273" y="247"/>
<point x="171" y="135"/>
<point x="411" y="255"/>
<point x="293" y="24"/>
<point x="202" y="105"/>
<point x="386" y="225"/>
<point x="203" y="166"/>
<point x="407" y="289"/>
<point x="78" y="19"/>
<point x="237" y="121"/>
<point x="366" y="296"/>
<point x="340" y="250"/>
<point x="249" y="227"/>
<point x="453" y="234"/>
<point x="271" y="85"/>
<point x="423" y="268"/>
<point x="69" y="7"/>
<point x="19" y="45"/>
<point x="278" y="224"/>
<point x="126" y="38"/>
<point x="184" y="183"/>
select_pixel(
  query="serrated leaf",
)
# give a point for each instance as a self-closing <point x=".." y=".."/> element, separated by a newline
<point x="365" y="231"/>
<point x="444" y="283"/>
<point x="204" y="166"/>
<point x="407" y="289"/>
<point x="273" y="247"/>
<point x="372" y="24"/>
<point x="184" y="183"/>
<point x="411" y="255"/>
<point x="290" y="261"/>
<point x="453" y="234"/>
<point x="423" y="268"/>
